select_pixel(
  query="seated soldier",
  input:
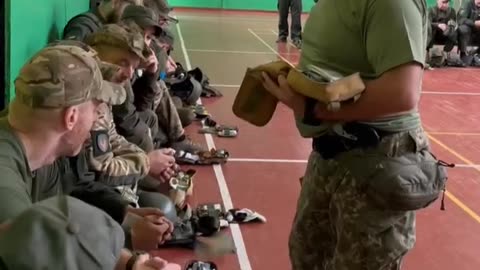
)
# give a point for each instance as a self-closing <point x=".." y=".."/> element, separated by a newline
<point x="468" y="29"/>
<point x="162" y="9"/>
<point x="57" y="94"/>
<point x="154" y="95"/>
<point x="443" y="21"/>
<point x="83" y="25"/>
<point x="65" y="226"/>
<point x="110" y="50"/>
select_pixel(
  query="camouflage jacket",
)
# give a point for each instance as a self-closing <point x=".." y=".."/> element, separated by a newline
<point x="468" y="13"/>
<point x="116" y="161"/>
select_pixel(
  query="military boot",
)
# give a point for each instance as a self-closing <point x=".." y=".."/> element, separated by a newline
<point x="187" y="145"/>
<point x="186" y="116"/>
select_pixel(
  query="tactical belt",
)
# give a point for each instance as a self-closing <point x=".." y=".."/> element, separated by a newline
<point x="329" y="146"/>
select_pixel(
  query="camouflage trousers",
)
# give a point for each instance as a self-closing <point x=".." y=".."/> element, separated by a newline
<point x="169" y="122"/>
<point x="337" y="227"/>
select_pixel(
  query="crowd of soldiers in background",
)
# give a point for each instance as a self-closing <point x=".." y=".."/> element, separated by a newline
<point x="454" y="29"/>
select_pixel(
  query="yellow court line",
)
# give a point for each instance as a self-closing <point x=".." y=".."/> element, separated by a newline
<point x="452" y="197"/>
<point x="454" y="133"/>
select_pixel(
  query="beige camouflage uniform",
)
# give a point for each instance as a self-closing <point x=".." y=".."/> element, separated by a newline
<point x="118" y="162"/>
<point x="121" y="163"/>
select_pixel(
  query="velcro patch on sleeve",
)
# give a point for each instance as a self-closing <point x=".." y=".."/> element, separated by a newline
<point x="100" y="142"/>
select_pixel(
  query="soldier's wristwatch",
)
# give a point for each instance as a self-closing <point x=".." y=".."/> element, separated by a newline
<point x="131" y="262"/>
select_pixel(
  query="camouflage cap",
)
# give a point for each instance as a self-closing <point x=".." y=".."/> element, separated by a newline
<point x="109" y="70"/>
<point x="121" y="36"/>
<point x="64" y="75"/>
<point x="162" y="9"/>
<point x="61" y="233"/>
<point x="143" y="16"/>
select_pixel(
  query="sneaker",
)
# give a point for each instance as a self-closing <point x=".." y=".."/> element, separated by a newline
<point x="187" y="145"/>
<point x="282" y="39"/>
<point x="297" y="43"/>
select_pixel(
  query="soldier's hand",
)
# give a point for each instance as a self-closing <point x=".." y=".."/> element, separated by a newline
<point x="477" y="24"/>
<point x="146" y="262"/>
<point x="159" y="162"/>
<point x="166" y="175"/>
<point x="284" y="93"/>
<point x="171" y="65"/>
<point x="151" y="63"/>
<point x="160" y="220"/>
<point x="168" y="151"/>
<point x="146" y="211"/>
<point x="442" y="26"/>
<point x="147" y="235"/>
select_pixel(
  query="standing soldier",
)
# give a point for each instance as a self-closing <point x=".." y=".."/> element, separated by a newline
<point x="295" y="8"/>
<point x="346" y="218"/>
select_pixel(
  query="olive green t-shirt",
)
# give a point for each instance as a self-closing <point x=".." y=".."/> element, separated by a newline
<point x="15" y="177"/>
<point x="366" y="36"/>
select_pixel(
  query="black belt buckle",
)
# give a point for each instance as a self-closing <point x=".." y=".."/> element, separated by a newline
<point x="328" y="146"/>
<point x="367" y="136"/>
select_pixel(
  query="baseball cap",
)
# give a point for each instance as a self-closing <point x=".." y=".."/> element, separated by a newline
<point x="162" y="9"/>
<point x="143" y="16"/>
<point x="61" y="233"/>
<point x="64" y="75"/>
<point x="128" y="37"/>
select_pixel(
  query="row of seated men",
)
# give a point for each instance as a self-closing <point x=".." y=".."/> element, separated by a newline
<point x="92" y="119"/>
<point x="451" y="28"/>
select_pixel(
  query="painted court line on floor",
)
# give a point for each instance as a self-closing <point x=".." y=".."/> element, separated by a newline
<point x="241" y="250"/>
<point x="268" y="46"/>
<point x="457" y="201"/>
<point x="454" y="133"/>
<point x="273" y="160"/>
<point x="451" y="93"/>
<point x="224" y="51"/>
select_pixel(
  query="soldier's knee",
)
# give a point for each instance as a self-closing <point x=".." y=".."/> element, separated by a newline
<point x="186" y="116"/>
<point x="464" y="29"/>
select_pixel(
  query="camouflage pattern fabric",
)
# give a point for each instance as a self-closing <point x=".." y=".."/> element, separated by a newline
<point x="121" y="163"/>
<point x="336" y="225"/>
<point x="168" y="119"/>
<point x="128" y="37"/>
<point x="61" y="76"/>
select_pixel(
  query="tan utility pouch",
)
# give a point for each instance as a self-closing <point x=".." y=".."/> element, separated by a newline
<point x="256" y="105"/>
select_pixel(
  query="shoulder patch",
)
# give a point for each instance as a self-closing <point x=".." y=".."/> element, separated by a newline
<point x="100" y="142"/>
